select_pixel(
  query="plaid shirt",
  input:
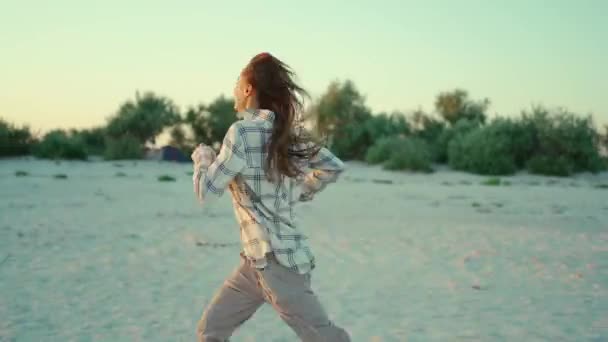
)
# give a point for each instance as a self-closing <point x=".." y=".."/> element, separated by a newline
<point x="240" y="167"/>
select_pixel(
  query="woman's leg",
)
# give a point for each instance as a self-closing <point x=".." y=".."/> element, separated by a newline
<point x="292" y="297"/>
<point x="234" y="303"/>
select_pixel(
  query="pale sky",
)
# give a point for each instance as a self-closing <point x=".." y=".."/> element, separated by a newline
<point x="71" y="63"/>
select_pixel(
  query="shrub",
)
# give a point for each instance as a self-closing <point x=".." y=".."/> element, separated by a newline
<point x="60" y="176"/>
<point x="410" y="154"/>
<point x="353" y="139"/>
<point x="21" y="173"/>
<point x="57" y="144"/>
<point x="122" y="148"/>
<point x="564" y="143"/>
<point x="491" y="181"/>
<point x="550" y="166"/>
<point x="381" y="126"/>
<point x="94" y="139"/>
<point x="381" y="151"/>
<point x="440" y="146"/>
<point x="15" y="141"/>
<point x="486" y="150"/>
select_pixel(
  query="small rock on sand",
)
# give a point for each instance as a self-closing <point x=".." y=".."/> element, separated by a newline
<point x="382" y="181"/>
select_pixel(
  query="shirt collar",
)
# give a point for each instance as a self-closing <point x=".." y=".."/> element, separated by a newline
<point x="264" y="114"/>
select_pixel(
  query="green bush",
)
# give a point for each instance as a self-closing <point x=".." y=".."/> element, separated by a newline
<point x="353" y="139"/>
<point x="460" y="128"/>
<point x="551" y="144"/>
<point x="550" y="166"/>
<point x="123" y="148"/>
<point x="94" y="139"/>
<point x="57" y="144"/>
<point x="486" y="150"/>
<point x="410" y="154"/>
<point x="565" y="142"/>
<point x="565" y="139"/>
<point x="60" y="176"/>
<point x="491" y="182"/>
<point x="381" y="151"/>
<point x="382" y="126"/>
<point x="15" y="141"/>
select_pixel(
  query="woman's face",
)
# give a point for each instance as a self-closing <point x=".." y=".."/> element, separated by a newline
<point x="242" y="94"/>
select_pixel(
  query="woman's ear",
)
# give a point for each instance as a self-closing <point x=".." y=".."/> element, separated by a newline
<point x="248" y="89"/>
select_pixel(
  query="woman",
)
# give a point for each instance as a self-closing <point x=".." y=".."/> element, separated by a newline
<point x="263" y="158"/>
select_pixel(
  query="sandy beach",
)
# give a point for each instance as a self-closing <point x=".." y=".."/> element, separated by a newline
<point x="112" y="254"/>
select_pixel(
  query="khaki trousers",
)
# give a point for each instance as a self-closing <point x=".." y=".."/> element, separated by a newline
<point x="288" y="292"/>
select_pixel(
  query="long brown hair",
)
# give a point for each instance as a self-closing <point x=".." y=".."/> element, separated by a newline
<point x="277" y="91"/>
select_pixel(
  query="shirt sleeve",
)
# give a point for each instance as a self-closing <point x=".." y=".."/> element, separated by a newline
<point x="211" y="182"/>
<point x="325" y="168"/>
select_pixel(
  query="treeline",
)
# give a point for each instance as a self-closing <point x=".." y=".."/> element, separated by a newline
<point x="458" y="133"/>
<point x="135" y="124"/>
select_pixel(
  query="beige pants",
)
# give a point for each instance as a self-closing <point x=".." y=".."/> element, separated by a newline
<point x="288" y="292"/>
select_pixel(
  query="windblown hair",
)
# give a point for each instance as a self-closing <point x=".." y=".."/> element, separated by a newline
<point x="277" y="91"/>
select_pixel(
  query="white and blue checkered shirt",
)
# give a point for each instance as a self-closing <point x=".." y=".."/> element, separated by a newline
<point x="240" y="167"/>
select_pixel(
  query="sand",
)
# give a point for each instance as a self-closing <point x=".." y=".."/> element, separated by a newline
<point x="112" y="254"/>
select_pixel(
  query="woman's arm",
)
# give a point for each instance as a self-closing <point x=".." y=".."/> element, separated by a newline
<point x="325" y="169"/>
<point x="210" y="180"/>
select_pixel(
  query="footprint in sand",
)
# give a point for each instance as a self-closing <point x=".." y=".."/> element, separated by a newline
<point x="457" y="197"/>
<point x="200" y="243"/>
<point x="476" y="265"/>
<point x="558" y="209"/>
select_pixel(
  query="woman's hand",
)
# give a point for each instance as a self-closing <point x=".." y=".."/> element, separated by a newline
<point x="203" y="156"/>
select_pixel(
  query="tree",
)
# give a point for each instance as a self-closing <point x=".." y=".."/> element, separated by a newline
<point x="144" y="118"/>
<point x="340" y="116"/>
<point x="210" y="123"/>
<point x="221" y="116"/>
<point x="196" y="118"/>
<point x="426" y="126"/>
<point x="15" y="141"/>
<point x="456" y="105"/>
<point x="342" y="104"/>
<point x="180" y="138"/>
<point x="604" y="138"/>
